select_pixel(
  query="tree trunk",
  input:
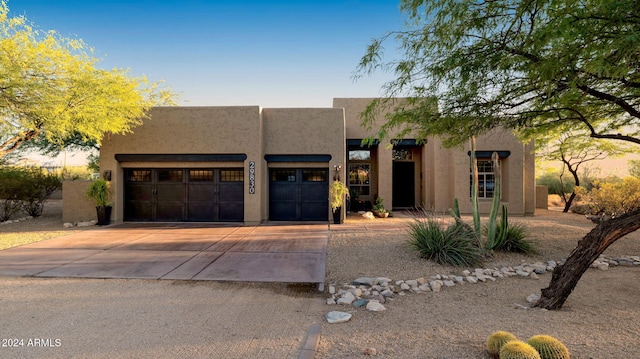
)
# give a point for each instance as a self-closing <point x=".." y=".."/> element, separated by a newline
<point x="566" y="276"/>
<point x="567" y="205"/>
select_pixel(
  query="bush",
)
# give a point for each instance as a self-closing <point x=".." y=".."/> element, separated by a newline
<point x="25" y="189"/>
<point x="552" y="181"/>
<point x="454" y="244"/>
<point x="616" y="198"/>
<point x="514" y="241"/>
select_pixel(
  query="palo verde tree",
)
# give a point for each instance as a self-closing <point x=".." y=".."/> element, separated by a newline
<point x="574" y="150"/>
<point x="52" y="90"/>
<point x="533" y="66"/>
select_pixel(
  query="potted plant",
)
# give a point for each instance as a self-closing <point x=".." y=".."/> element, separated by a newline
<point x="99" y="192"/>
<point x="379" y="210"/>
<point x="338" y="192"/>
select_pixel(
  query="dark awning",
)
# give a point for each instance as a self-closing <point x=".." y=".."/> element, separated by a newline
<point x="297" y="158"/>
<point x="174" y="157"/>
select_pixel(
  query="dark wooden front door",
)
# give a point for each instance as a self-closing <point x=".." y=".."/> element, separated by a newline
<point x="404" y="184"/>
<point x="298" y="194"/>
<point x="195" y="195"/>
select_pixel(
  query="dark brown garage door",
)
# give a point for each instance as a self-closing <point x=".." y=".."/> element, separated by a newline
<point x="299" y="194"/>
<point x="194" y="195"/>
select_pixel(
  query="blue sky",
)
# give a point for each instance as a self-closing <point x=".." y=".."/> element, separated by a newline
<point x="218" y="53"/>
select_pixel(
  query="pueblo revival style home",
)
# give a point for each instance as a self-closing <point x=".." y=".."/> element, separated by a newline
<point x="251" y="164"/>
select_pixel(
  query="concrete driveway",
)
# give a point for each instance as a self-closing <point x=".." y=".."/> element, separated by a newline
<point x="179" y="251"/>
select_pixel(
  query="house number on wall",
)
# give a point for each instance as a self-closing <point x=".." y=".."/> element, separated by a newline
<point x="252" y="177"/>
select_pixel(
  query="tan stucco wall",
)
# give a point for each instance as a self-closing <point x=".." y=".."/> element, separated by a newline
<point x="190" y="130"/>
<point x="304" y="131"/>
<point x="542" y="197"/>
<point x="445" y="171"/>
<point x="76" y="207"/>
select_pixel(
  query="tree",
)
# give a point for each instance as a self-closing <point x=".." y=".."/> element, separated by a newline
<point x="574" y="150"/>
<point x="51" y="89"/>
<point x="533" y="66"/>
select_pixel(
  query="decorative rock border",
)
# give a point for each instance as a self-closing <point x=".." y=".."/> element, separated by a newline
<point x="373" y="292"/>
<point x="80" y="224"/>
<point x="28" y="218"/>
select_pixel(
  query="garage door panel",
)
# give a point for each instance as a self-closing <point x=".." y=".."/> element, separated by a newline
<point x="139" y="192"/>
<point x="138" y="211"/>
<point x="170" y="212"/>
<point x="184" y="194"/>
<point x="231" y="192"/>
<point x="233" y="212"/>
<point x="202" y="212"/>
<point x="299" y="195"/>
<point x="201" y="193"/>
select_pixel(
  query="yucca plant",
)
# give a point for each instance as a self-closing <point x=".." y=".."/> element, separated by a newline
<point x="452" y="244"/>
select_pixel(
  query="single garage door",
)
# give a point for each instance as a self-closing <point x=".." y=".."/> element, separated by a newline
<point x="194" y="195"/>
<point x="299" y="194"/>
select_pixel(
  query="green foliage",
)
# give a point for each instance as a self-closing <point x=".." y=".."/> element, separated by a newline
<point x="94" y="163"/>
<point x="99" y="192"/>
<point x="338" y="192"/>
<point x="453" y="244"/>
<point x="496" y="340"/>
<point x="53" y="91"/>
<point x="616" y="198"/>
<point x="518" y="350"/>
<point x="549" y="347"/>
<point x="74" y="173"/>
<point x="378" y="207"/>
<point x="514" y="240"/>
<point x="552" y="181"/>
<point x="531" y="66"/>
<point x="25" y="189"/>
<point x="634" y="168"/>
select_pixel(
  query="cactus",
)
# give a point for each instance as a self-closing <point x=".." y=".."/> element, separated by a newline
<point x="474" y="189"/>
<point x="518" y="350"/>
<point x="549" y="347"/>
<point x="497" y="340"/>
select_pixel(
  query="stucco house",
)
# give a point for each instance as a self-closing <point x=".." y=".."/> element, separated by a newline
<point x="252" y="165"/>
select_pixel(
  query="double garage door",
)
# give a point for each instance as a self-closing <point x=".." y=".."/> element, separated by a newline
<point x="195" y="195"/>
<point x="300" y="194"/>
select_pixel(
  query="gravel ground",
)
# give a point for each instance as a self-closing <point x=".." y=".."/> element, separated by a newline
<point x="601" y="319"/>
<point x="138" y="318"/>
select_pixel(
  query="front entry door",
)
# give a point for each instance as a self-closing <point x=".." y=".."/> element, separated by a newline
<point x="404" y="184"/>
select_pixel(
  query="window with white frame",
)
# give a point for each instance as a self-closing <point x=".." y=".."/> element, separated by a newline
<point x="486" y="179"/>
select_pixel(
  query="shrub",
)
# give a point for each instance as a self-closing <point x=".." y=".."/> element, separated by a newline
<point x="552" y="181"/>
<point x="514" y="240"/>
<point x="454" y="244"/>
<point x="497" y="340"/>
<point x="616" y="198"/>
<point x="25" y="189"/>
<point x="549" y="347"/>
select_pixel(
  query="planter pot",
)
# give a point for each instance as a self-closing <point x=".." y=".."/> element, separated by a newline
<point x="381" y="214"/>
<point x="337" y="216"/>
<point x="104" y="215"/>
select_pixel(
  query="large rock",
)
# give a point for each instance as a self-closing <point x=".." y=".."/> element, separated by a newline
<point x="336" y="317"/>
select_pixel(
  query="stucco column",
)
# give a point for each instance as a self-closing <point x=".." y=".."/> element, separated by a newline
<point x="385" y="174"/>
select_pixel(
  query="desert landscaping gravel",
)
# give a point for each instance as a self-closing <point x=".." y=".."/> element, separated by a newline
<point x="167" y="319"/>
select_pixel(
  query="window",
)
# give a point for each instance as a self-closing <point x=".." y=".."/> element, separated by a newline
<point x="359" y="155"/>
<point x="360" y="178"/>
<point x="139" y="176"/>
<point x="283" y="176"/>
<point x="486" y="179"/>
<point x="231" y="175"/>
<point x="314" y="175"/>
<point x="200" y="175"/>
<point x="170" y="175"/>
<point x="402" y="154"/>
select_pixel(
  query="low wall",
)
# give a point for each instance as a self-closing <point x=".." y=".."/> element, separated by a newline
<point x="75" y="206"/>
<point x="542" y="195"/>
